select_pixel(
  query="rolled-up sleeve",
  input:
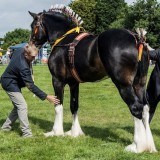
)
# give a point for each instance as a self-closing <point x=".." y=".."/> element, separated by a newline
<point x="27" y="78"/>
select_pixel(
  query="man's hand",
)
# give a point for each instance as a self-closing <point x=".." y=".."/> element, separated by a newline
<point x="53" y="99"/>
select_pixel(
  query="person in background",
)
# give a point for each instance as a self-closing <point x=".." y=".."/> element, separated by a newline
<point x="18" y="75"/>
<point x="153" y="87"/>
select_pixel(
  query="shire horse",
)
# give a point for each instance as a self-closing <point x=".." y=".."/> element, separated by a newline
<point x="77" y="56"/>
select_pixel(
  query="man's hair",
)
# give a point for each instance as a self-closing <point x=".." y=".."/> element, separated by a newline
<point x="31" y="49"/>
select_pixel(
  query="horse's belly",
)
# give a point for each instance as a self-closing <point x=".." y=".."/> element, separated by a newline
<point x="93" y="75"/>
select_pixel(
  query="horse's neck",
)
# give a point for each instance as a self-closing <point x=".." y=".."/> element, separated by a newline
<point x="58" y="32"/>
<point x="54" y="35"/>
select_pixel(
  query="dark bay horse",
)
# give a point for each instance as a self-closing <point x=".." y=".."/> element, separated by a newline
<point x="89" y="58"/>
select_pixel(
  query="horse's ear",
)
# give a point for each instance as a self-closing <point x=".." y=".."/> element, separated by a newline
<point x="32" y="14"/>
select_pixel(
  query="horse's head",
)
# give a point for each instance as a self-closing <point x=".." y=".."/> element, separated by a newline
<point x="50" y="25"/>
<point x="38" y="34"/>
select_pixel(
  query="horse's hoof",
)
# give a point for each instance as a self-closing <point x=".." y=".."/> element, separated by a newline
<point x="81" y="133"/>
<point x="53" y="133"/>
<point x="131" y="148"/>
<point x="49" y="134"/>
<point x="68" y="133"/>
<point x="74" y="134"/>
<point x="153" y="150"/>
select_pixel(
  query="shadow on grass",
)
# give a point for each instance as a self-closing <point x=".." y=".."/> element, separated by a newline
<point x="1" y="122"/>
<point x="156" y="132"/>
<point x="105" y="134"/>
<point x="47" y="125"/>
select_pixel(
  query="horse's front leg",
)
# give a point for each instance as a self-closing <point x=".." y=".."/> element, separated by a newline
<point x="76" y="128"/>
<point x="57" y="129"/>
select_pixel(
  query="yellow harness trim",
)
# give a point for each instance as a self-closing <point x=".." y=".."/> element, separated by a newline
<point x="76" y="30"/>
<point x="140" y="51"/>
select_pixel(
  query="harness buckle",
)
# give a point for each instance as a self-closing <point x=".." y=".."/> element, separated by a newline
<point x="71" y="47"/>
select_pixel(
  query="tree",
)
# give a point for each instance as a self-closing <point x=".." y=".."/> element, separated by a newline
<point x="119" y="22"/>
<point x="109" y="14"/>
<point x="99" y="15"/>
<point x="145" y="14"/>
<point x="15" y="37"/>
<point x="86" y="10"/>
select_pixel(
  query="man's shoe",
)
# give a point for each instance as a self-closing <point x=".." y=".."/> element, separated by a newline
<point x="27" y="135"/>
<point x="5" y="129"/>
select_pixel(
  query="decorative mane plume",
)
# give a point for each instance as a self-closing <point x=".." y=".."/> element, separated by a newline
<point x="68" y="12"/>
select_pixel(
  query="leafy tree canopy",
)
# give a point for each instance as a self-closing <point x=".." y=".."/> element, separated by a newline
<point x="109" y="14"/>
<point x="86" y="10"/>
<point x="15" y="37"/>
<point x="145" y="14"/>
<point x="98" y="15"/>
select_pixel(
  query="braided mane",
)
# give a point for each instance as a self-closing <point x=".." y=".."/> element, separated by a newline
<point x="60" y="8"/>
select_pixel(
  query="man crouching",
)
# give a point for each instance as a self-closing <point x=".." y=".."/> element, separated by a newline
<point x="16" y="76"/>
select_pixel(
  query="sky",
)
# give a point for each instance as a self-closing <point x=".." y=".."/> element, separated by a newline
<point x="14" y="13"/>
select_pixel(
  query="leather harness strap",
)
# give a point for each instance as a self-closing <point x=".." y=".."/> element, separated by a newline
<point x="139" y="44"/>
<point x="72" y="53"/>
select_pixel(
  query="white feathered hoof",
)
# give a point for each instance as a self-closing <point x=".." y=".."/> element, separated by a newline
<point x="68" y="133"/>
<point x="74" y="134"/>
<point x="139" y="149"/>
<point x="134" y="149"/>
<point x="52" y="133"/>
<point x="49" y="134"/>
<point x="152" y="150"/>
<point x="131" y="148"/>
<point x="77" y="134"/>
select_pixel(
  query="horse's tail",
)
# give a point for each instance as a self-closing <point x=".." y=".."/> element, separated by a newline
<point x="143" y="61"/>
<point x="143" y="64"/>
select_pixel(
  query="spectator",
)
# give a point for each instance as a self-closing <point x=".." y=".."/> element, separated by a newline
<point x="18" y="75"/>
<point x="153" y="87"/>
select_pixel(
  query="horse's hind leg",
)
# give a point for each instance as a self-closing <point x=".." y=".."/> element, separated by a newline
<point x="152" y="100"/>
<point x="57" y="129"/>
<point x="139" y="88"/>
<point x="143" y="140"/>
<point x="76" y="128"/>
<point x="152" y="109"/>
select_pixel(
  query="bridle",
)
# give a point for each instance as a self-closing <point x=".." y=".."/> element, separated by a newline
<point x="39" y="26"/>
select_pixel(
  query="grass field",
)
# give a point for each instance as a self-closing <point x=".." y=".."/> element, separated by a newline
<point x="103" y="116"/>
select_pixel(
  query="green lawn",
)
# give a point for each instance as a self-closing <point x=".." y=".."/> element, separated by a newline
<point x="103" y="116"/>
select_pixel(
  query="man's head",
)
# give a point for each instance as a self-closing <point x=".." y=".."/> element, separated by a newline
<point x="30" y="52"/>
